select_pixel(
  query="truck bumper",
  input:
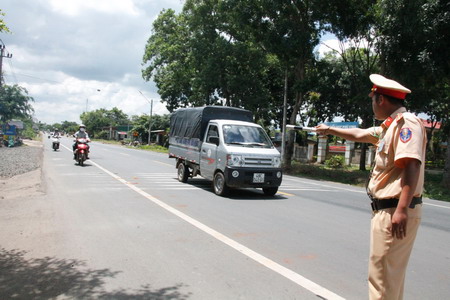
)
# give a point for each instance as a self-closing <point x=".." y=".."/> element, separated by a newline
<point x="246" y="177"/>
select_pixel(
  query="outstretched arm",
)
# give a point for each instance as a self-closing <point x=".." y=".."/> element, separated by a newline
<point x="351" y="134"/>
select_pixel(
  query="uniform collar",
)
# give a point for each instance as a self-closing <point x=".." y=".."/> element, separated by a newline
<point x="398" y="111"/>
<point x="392" y="117"/>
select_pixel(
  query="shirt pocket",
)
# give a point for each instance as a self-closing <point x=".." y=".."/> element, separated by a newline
<point x="383" y="155"/>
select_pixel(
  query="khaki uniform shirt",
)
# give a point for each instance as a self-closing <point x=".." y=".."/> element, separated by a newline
<point x="402" y="135"/>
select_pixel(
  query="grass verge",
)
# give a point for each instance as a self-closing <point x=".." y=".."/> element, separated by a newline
<point x="155" y="148"/>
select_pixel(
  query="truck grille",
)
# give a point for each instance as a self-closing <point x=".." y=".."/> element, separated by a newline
<point x="257" y="161"/>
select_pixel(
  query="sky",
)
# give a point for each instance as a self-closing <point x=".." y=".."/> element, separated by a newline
<point x="74" y="56"/>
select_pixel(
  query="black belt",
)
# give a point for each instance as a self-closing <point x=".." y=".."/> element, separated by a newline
<point x="378" y="204"/>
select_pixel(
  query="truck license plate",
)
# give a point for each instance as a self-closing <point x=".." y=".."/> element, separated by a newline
<point x="258" y="177"/>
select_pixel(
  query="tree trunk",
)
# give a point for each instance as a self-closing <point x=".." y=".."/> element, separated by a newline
<point x="289" y="151"/>
<point x="362" y="158"/>
<point x="446" y="178"/>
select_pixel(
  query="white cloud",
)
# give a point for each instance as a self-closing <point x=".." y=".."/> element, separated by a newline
<point x="65" y="50"/>
<point x="76" y="7"/>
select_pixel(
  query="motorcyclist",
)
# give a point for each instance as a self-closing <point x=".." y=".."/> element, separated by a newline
<point x="81" y="134"/>
<point x="56" y="133"/>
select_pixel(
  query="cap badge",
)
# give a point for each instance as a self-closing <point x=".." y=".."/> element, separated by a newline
<point x="405" y="135"/>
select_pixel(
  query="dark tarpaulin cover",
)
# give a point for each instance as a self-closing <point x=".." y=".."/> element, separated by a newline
<point x="192" y="122"/>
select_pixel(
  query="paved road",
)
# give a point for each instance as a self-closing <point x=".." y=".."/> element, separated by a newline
<point x="123" y="227"/>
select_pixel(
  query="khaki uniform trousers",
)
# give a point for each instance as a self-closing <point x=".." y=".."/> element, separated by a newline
<point x="388" y="255"/>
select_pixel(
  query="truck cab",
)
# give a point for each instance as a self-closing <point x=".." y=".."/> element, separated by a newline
<point x="236" y="154"/>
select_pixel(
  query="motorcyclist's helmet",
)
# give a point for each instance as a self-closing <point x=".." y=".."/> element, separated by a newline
<point x="82" y="127"/>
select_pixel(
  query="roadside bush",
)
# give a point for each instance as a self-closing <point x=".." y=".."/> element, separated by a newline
<point x="335" y="162"/>
<point x="103" y="135"/>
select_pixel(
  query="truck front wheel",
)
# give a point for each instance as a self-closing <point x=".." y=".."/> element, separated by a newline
<point x="270" y="191"/>
<point x="183" y="172"/>
<point x="219" y="185"/>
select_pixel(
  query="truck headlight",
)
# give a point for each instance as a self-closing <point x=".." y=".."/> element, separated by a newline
<point x="276" y="162"/>
<point x="234" y="160"/>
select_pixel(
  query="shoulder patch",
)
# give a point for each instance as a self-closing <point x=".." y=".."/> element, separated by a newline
<point x="405" y="135"/>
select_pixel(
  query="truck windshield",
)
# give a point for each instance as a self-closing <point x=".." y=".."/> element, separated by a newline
<point x="248" y="136"/>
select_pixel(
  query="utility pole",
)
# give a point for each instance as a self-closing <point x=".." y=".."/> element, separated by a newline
<point x="9" y="55"/>
<point x="283" y="136"/>
<point x="150" y="123"/>
<point x="150" y="120"/>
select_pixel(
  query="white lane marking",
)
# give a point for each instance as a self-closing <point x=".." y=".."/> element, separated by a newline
<point x="283" y="271"/>
<point x="172" y="188"/>
<point x="306" y="189"/>
<point x="441" y="206"/>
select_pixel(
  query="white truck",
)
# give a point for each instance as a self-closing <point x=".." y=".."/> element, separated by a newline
<point x="222" y="144"/>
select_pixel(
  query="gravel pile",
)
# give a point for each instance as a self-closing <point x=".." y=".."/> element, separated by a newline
<point x="19" y="160"/>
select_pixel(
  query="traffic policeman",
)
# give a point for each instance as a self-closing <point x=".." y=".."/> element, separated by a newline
<point x="395" y="186"/>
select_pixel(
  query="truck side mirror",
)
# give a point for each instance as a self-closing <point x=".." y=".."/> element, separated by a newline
<point x="214" y="140"/>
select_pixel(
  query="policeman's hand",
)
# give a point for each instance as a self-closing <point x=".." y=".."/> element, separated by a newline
<point x="399" y="222"/>
<point x="322" y="129"/>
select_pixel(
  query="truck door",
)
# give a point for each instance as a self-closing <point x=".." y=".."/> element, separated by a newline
<point x="208" y="157"/>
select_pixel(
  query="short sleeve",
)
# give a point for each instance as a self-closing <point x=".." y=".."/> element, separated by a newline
<point x="410" y="141"/>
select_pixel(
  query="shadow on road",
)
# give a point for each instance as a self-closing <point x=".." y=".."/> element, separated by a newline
<point x="50" y="277"/>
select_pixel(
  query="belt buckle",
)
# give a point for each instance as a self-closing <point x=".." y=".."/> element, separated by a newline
<point x="374" y="206"/>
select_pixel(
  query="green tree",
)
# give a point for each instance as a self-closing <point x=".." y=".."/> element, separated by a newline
<point x="194" y="62"/>
<point x="414" y="45"/>
<point x="166" y="59"/>
<point x="30" y="129"/>
<point x="230" y="69"/>
<point x="141" y="124"/>
<point x="14" y="103"/>
<point x="97" y="120"/>
<point x="3" y="27"/>
<point x="69" y="126"/>
<point x="117" y="117"/>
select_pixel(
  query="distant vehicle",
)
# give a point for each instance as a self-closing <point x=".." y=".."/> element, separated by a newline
<point x="81" y="151"/>
<point x="222" y="144"/>
<point x="55" y="143"/>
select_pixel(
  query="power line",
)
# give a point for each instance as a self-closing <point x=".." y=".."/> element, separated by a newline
<point x="44" y="79"/>
<point x="12" y="71"/>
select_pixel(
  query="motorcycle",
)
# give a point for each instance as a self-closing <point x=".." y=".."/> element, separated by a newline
<point x="55" y="143"/>
<point x="81" y="150"/>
